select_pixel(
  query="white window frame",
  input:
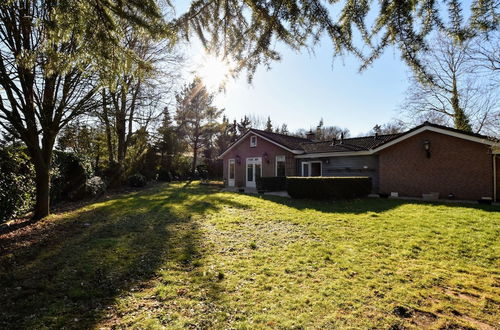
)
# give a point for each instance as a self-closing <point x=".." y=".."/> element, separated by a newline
<point x="252" y="161"/>
<point x="231" y="182"/>
<point x="253" y="141"/>
<point x="276" y="164"/>
<point x="309" y="167"/>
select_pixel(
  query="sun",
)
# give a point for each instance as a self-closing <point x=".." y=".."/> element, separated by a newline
<point x="214" y="71"/>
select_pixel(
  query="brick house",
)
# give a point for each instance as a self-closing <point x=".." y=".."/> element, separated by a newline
<point x="428" y="158"/>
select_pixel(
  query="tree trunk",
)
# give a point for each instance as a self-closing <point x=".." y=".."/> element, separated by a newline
<point x="42" y="206"/>
<point x="195" y="156"/>
<point x="42" y="160"/>
<point x="109" y="139"/>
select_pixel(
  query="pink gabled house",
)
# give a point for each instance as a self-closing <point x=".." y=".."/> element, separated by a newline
<point x="429" y="158"/>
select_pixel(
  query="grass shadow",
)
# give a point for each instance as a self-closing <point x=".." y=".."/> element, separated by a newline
<point x="71" y="273"/>
<point x="364" y="205"/>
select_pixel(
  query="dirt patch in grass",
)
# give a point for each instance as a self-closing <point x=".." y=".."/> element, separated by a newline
<point x="471" y="297"/>
<point x="423" y="319"/>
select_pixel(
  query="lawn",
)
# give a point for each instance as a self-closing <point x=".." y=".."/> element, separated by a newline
<point x="190" y="256"/>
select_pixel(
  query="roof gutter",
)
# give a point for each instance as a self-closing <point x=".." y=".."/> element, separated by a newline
<point x="336" y="154"/>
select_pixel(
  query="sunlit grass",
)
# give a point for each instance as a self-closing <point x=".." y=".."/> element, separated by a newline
<point x="191" y="256"/>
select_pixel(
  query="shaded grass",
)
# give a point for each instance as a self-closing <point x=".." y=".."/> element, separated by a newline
<point x="186" y="255"/>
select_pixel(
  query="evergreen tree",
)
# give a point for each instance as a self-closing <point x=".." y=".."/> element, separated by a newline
<point x="168" y="144"/>
<point x="269" y="125"/>
<point x="244" y="125"/>
<point x="248" y="31"/>
<point x="197" y="118"/>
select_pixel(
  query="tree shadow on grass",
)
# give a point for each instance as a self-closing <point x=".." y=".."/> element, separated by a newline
<point x="364" y="205"/>
<point x="70" y="276"/>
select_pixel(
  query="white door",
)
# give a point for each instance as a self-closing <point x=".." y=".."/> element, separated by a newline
<point x="254" y="170"/>
<point x="231" y="169"/>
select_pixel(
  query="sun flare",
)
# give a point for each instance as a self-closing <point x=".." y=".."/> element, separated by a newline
<point x="214" y="71"/>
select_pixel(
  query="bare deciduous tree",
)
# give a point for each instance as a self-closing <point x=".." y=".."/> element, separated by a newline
<point x="135" y="98"/>
<point x="455" y="90"/>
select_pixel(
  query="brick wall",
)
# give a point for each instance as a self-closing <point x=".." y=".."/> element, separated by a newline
<point x="456" y="166"/>
<point x="263" y="146"/>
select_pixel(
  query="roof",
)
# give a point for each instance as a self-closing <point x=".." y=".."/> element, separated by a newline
<point x="364" y="143"/>
<point x="287" y="142"/>
<point x="367" y="144"/>
<point x="291" y="142"/>
<point x="454" y="130"/>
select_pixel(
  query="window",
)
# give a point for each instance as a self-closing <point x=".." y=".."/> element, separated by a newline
<point x="253" y="141"/>
<point x="311" y="168"/>
<point x="249" y="172"/>
<point x="231" y="169"/>
<point x="280" y="165"/>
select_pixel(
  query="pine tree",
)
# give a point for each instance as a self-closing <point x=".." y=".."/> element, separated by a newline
<point x="244" y="125"/>
<point x="196" y="118"/>
<point x="248" y="31"/>
<point x="269" y="125"/>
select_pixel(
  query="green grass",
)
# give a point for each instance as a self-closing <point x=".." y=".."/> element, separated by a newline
<point x="187" y="255"/>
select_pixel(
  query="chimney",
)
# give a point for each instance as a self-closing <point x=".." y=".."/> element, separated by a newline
<point x="375" y="136"/>
<point x="310" y="135"/>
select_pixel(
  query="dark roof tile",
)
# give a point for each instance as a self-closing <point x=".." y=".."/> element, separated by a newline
<point x="291" y="142"/>
<point x="349" y="144"/>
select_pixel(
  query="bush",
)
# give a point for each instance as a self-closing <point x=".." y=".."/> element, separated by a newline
<point x="271" y="183"/>
<point x="164" y="175"/>
<point x="112" y="175"/>
<point x="328" y="187"/>
<point x="70" y="173"/>
<point x="95" y="186"/>
<point x="17" y="183"/>
<point x="137" y="180"/>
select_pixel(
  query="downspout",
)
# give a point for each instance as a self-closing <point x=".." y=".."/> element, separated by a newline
<point x="494" y="178"/>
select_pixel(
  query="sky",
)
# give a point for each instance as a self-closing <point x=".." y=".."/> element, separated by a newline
<point x="303" y="88"/>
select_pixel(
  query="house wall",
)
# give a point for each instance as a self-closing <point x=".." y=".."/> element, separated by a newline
<point x="456" y="166"/>
<point x="354" y="166"/>
<point x="346" y="166"/>
<point x="263" y="146"/>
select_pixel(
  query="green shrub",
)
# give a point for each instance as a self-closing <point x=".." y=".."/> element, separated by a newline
<point x="69" y="176"/>
<point x="112" y="175"/>
<point x="271" y="183"/>
<point x="95" y="186"/>
<point x="164" y="175"/>
<point x="137" y="180"/>
<point x="328" y="187"/>
<point x="17" y="183"/>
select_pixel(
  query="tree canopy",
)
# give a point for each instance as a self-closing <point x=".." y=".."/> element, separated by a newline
<point x="248" y="31"/>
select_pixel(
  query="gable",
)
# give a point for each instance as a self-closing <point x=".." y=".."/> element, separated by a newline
<point x="440" y="130"/>
<point x="270" y="139"/>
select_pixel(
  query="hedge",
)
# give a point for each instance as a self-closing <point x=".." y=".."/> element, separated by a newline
<point x="271" y="183"/>
<point x="328" y="187"/>
<point x="17" y="183"/>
